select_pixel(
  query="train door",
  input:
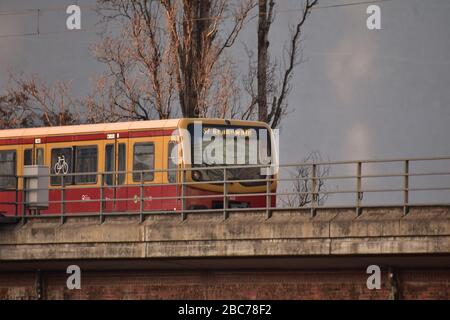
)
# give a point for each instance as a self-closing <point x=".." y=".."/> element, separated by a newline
<point x="8" y="181"/>
<point x="145" y="182"/>
<point x="115" y="191"/>
<point x="172" y="176"/>
<point x="76" y="166"/>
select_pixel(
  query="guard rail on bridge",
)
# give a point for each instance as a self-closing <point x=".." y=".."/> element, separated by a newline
<point x="315" y="185"/>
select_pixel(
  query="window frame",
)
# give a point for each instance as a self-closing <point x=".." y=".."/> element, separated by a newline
<point x="75" y="172"/>
<point x="109" y="175"/>
<point x="120" y="177"/>
<point x="170" y="164"/>
<point x="152" y="168"/>
<point x="71" y="167"/>
<point x="36" y="156"/>
<point x="14" y="186"/>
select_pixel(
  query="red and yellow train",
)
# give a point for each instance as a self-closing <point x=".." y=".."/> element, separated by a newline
<point x="102" y="167"/>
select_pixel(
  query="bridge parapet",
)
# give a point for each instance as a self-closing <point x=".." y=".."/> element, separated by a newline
<point x="331" y="232"/>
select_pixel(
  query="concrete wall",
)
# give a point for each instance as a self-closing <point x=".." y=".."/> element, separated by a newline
<point x="330" y="232"/>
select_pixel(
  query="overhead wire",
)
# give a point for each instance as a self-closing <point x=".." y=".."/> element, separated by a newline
<point x="40" y="11"/>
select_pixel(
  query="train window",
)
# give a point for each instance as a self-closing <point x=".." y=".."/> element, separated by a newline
<point x="27" y="157"/>
<point x="172" y="161"/>
<point x="110" y="163"/>
<point x="61" y="165"/>
<point x="143" y="160"/>
<point x="7" y="169"/>
<point x="122" y="163"/>
<point x="40" y="156"/>
<point x="28" y="154"/>
<point x="86" y="161"/>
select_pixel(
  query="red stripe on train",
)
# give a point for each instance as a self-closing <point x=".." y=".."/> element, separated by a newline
<point x="86" y="137"/>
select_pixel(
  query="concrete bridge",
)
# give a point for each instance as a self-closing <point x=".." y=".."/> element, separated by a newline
<point x="290" y="255"/>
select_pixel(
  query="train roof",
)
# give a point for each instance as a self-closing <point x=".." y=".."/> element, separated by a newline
<point x="105" y="128"/>
<point x="89" y="128"/>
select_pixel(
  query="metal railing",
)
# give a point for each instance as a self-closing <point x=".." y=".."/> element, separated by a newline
<point x="299" y="185"/>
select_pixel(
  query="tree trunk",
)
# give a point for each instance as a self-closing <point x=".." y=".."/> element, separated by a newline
<point x="195" y="29"/>
<point x="263" y="45"/>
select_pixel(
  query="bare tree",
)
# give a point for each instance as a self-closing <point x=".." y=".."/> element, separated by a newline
<point x="13" y="113"/>
<point x="270" y="94"/>
<point x="139" y="84"/>
<point x="225" y="93"/>
<point x="169" y="58"/>
<point x="30" y="102"/>
<point x="302" y="184"/>
<point x="100" y="106"/>
<point x="197" y="45"/>
<point x="268" y="84"/>
<point x="169" y="48"/>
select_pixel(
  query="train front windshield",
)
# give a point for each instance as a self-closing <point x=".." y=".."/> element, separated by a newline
<point x="230" y="146"/>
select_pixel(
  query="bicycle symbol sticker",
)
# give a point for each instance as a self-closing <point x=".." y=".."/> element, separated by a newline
<point x="61" y="167"/>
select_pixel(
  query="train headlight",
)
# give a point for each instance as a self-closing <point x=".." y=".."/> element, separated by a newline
<point x="196" y="175"/>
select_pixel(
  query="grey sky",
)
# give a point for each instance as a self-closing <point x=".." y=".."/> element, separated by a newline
<point x="360" y="93"/>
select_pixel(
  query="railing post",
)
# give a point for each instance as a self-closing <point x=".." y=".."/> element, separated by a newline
<point x="141" y="198"/>
<point x="268" y="197"/>
<point x="313" y="190"/>
<point x="63" y="199"/>
<point x="102" y="196"/>
<point x="183" y="194"/>
<point x="406" y="189"/>
<point x="225" y="194"/>
<point x="24" y="197"/>
<point x="16" y="213"/>
<point x="358" y="188"/>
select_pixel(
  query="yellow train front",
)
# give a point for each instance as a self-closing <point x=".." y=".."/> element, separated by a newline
<point x="145" y="166"/>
